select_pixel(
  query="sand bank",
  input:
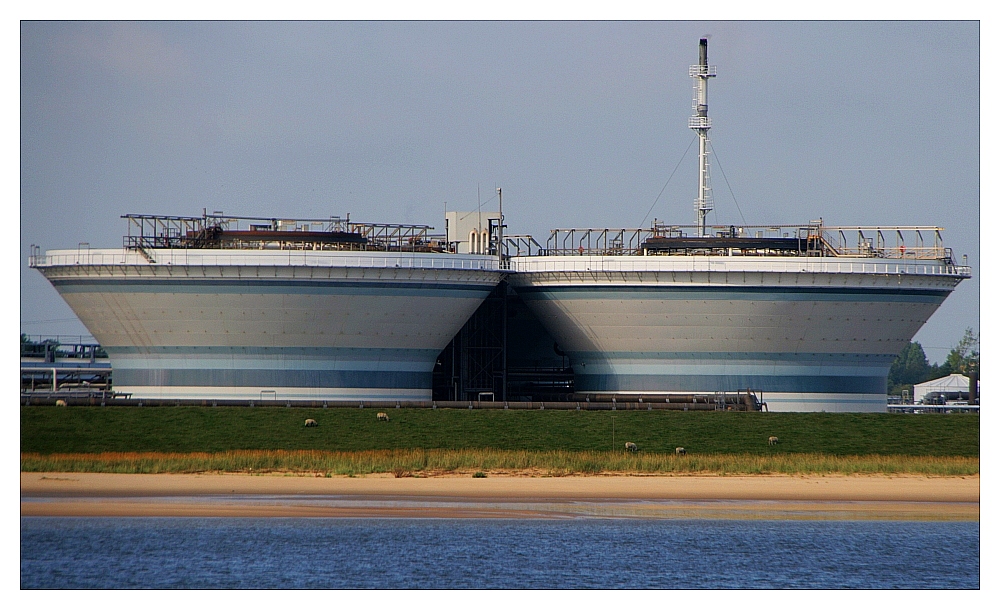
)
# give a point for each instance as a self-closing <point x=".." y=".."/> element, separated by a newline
<point x="839" y="497"/>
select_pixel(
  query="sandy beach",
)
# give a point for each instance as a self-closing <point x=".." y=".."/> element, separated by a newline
<point x="232" y="495"/>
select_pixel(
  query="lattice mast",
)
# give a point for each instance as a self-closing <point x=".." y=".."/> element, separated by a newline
<point x="701" y="124"/>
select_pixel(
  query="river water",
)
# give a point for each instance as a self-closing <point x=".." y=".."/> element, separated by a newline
<point x="578" y="553"/>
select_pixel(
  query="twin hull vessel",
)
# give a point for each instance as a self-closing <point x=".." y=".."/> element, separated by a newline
<point x="811" y="327"/>
<point x="807" y="317"/>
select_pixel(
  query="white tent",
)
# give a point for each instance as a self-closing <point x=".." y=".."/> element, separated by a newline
<point x="952" y="384"/>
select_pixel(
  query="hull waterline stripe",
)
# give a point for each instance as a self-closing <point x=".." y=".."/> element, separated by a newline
<point x="398" y="380"/>
<point x="215" y="352"/>
<point x="756" y="358"/>
<point x="731" y="383"/>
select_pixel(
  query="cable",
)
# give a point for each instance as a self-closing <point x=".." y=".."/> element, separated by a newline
<point x="668" y="181"/>
<point x="727" y="184"/>
<point x="48" y="321"/>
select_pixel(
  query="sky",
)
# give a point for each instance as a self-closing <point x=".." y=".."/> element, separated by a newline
<point x="580" y="123"/>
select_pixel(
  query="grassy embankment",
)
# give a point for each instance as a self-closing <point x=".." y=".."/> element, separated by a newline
<point x="424" y="441"/>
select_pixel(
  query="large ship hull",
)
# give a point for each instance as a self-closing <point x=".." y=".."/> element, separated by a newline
<point x="271" y="325"/>
<point x="810" y="334"/>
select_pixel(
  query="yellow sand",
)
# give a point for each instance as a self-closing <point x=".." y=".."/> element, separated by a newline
<point x="878" y="497"/>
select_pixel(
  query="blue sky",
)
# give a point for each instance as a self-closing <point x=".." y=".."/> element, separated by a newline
<point x="581" y="123"/>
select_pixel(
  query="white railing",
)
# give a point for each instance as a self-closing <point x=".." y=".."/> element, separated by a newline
<point x="541" y="264"/>
<point x="700" y="70"/>
<point x="284" y="258"/>
<point x="525" y="264"/>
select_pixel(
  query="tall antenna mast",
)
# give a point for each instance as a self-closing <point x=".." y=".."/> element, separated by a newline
<point x="701" y="124"/>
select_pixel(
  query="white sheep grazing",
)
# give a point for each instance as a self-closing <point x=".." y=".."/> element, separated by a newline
<point x="382" y="416"/>
<point x="631" y="447"/>
<point x="772" y="440"/>
<point x="680" y="451"/>
<point x="311" y="423"/>
<point x="60" y="403"/>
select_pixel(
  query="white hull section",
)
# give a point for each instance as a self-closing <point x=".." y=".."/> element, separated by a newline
<point x="813" y="334"/>
<point x="293" y="325"/>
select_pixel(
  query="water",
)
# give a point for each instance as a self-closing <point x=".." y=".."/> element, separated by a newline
<point x="178" y="552"/>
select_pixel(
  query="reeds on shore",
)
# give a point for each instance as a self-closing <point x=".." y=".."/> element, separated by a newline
<point x="417" y="462"/>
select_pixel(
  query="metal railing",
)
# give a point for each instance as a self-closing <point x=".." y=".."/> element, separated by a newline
<point x="817" y="240"/>
<point x="885" y="242"/>
<point x="521" y="245"/>
<point x="607" y="242"/>
<point x="700" y="70"/>
<point x="600" y="264"/>
<point x="179" y="258"/>
<point x="60" y="339"/>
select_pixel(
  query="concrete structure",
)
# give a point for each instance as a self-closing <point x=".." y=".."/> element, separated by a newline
<point x="469" y="232"/>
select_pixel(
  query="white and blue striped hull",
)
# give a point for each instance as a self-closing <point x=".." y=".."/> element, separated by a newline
<point x="811" y="335"/>
<point x="272" y="325"/>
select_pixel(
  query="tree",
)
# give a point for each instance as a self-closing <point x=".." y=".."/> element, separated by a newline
<point x="35" y="349"/>
<point x="908" y="368"/>
<point x="964" y="357"/>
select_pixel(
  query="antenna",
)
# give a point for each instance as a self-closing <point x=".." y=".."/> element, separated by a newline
<point x="500" y="229"/>
<point x="701" y="124"/>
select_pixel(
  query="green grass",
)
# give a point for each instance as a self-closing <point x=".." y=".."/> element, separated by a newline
<point x="91" y="430"/>
<point x="478" y="462"/>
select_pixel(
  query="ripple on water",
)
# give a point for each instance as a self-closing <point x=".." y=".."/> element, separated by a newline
<point x="146" y="552"/>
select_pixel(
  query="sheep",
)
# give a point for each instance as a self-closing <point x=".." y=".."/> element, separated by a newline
<point x="772" y="440"/>
<point x="382" y="416"/>
<point x="680" y="451"/>
<point x="60" y="403"/>
<point x="631" y="447"/>
<point x="311" y="423"/>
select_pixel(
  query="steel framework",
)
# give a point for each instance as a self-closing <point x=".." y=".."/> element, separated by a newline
<point x="150" y="232"/>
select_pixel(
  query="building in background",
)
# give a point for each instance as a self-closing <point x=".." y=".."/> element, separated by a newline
<point x="953" y="388"/>
<point x="469" y="232"/>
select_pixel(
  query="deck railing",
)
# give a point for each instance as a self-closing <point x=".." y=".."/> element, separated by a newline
<point x="917" y="243"/>
<point x="600" y="264"/>
<point x="266" y="258"/>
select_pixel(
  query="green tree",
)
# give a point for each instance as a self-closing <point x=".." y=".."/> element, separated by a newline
<point x="964" y="357"/>
<point x="908" y="368"/>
